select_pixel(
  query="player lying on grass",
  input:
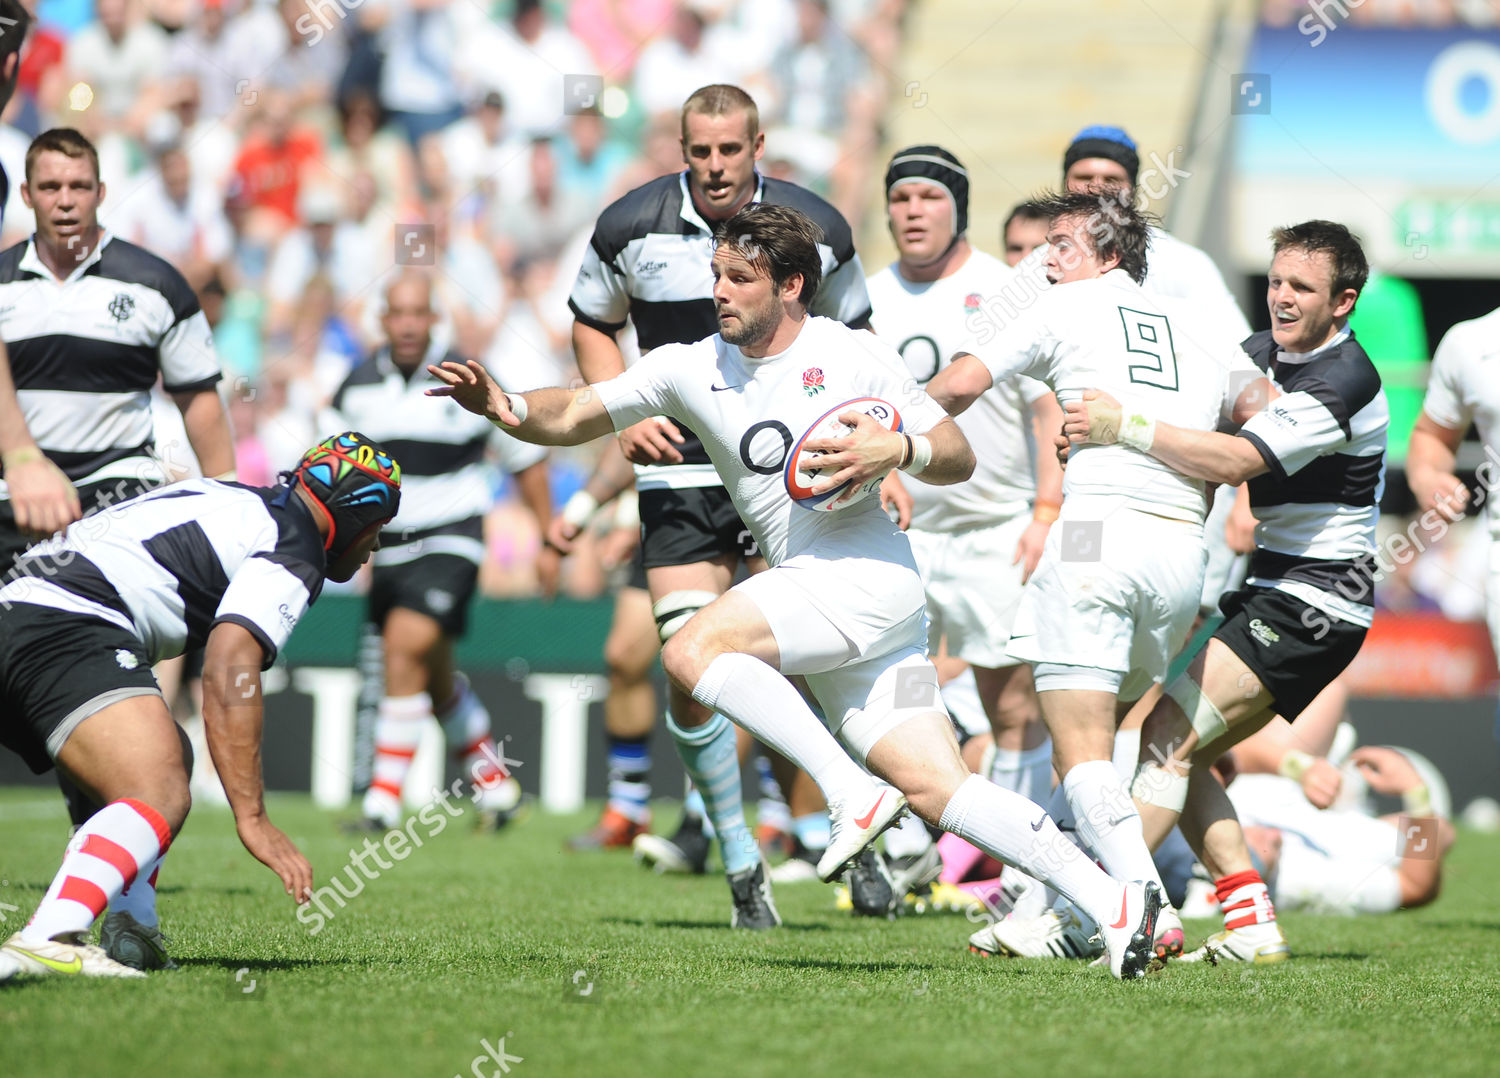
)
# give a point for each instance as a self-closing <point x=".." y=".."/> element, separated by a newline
<point x="842" y="602"/>
<point x="201" y="561"/>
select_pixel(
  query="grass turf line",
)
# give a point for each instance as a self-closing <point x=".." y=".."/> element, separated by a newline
<point x="473" y="938"/>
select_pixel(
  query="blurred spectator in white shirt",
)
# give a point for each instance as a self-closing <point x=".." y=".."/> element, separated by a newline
<point x="681" y="61"/>
<point x="367" y="146"/>
<point x="327" y="244"/>
<point x="119" y="56"/>
<point x="418" y="86"/>
<point x="178" y="218"/>
<point x="542" y="220"/>
<point x="485" y="158"/>
<point x="527" y="61"/>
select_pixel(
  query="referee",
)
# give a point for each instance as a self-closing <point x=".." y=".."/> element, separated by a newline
<point x="90" y="322"/>
<point x="648" y="262"/>
<point x="37" y="496"/>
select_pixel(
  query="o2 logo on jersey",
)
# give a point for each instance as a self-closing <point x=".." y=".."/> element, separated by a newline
<point x="765" y="446"/>
<point x="921" y="356"/>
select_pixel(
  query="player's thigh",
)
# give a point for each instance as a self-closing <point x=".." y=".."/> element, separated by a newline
<point x="130" y="748"/>
<point x="732" y="623"/>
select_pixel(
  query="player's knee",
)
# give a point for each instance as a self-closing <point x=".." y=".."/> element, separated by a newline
<point x="626" y="659"/>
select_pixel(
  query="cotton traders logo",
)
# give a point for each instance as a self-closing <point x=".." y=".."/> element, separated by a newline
<point x="121" y="307"/>
<point x="1264" y="633"/>
<point x="812" y="381"/>
<point x="650" y="269"/>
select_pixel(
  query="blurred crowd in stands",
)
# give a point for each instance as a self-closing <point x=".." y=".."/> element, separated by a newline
<point x="288" y="155"/>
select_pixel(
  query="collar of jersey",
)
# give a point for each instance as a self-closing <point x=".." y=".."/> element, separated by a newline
<point x="689" y="212"/>
<point x="32" y="262"/>
<point x="436" y="350"/>
<point x="1306" y="357"/>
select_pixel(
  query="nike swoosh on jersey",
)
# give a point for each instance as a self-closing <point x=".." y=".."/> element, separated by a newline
<point x="721" y="389"/>
<point x="1039" y="824"/>
<point x="864" y="821"/>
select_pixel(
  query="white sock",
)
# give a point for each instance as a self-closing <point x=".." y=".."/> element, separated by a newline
<point x="1005" y="826"/>
<point x="1039" y="899"/>
<point x="1108" y="822"/>
<point x="756" y="697"/>
<point x="398" y="731"/>
<point x="909" y="838"/>
<point x="1127" y="754"/>
<point x="1027" y="772"/>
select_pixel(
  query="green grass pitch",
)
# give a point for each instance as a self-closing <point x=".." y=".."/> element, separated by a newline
<point x="587" y="965"/>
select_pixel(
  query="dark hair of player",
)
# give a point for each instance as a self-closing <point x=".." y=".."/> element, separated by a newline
<point x="1350" y="270"/>
<point x="1030" y="210"/>
<point x="1114" y="225"/>
<point x="777" y="240"/>
<point x="721" y="99"/>
<point x="63" y="140"/>
<point x="14" y="19"/>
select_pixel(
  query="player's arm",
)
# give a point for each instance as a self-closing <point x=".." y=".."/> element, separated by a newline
<point x="1202" y="454"/>
<point x="542" y="417"/>
<point x="1431" y="460"/>
<point x="960" y="383"/>
<point x="600" y="359"/>
<point x="233" y="715"/>
<point x="1046" y="422"/>
<point x="612" y="476"/>
<point x="207" y="426"/>
<point x="41" y="496"/>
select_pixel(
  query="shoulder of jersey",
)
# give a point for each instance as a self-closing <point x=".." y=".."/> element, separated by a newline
<point x="124" y="261"/>
<point x="644" y="209"/>
<point x="1259" y="346"/>
<point x="10" y="262"/>
<point x="836" y="231"/>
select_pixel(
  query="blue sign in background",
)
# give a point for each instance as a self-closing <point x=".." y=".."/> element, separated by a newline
<point x="1421" y="105"/>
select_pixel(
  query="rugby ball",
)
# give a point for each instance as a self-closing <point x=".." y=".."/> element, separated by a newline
<point x="802" y="471"/>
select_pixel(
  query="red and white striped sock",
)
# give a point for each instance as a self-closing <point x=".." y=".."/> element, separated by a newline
<point x="466" y="723"/>
<point x="398" y="731"/>
<point x="139" y="898"/>
<point x="1245" y="900"/>
<point x="106" y="855"/>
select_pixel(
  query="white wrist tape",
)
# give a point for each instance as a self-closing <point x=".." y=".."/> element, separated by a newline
<point x="1417" y="801"/>
<point x="1138" y="432"/>
<point x="580" y="508"/>
<point x="1295" y="764"/>
<point x="921" y="454"/>
<point x="517" y="404"/>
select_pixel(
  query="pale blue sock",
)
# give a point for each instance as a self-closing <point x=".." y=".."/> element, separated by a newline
<point x="692" y="806"/>
<point x="708" y="753"/>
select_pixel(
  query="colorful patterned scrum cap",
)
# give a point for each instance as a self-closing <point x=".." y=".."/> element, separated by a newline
<point x="354" y="481"/>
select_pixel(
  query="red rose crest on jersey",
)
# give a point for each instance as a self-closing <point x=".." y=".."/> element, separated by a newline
<point x="972" y="301"/>
<point x="812" y="381"/>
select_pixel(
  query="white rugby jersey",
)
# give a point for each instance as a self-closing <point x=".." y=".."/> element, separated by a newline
<point x="1152" y="355"/>
<point x="1324" y="442"/>
<point x="750" y="412"/>
<point x="927" y="323"/>
<point x="1464" y="386"/>
<point x="649" y="260"/>
<point x="169" y="565"/>
<point x="447" y="484"/>
<point x="1175" y="269"/>
<point x="86" y="351"/>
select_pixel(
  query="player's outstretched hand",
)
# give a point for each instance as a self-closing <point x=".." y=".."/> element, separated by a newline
<point x="1095" y="418"/>
<point x="270" y="846"/>
<point x="650" y="442"/>
<point x="1444" y="494"/>
<point x="472" y="388"/>
<point x="1386" y="770"/>
<point x="43" y="499"/>
<point x="868" y="451"/>
<point x="894" y="495"/>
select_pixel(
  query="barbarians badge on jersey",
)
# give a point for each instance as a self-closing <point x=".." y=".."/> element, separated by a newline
<point x="812" y="381"/>
<point x="126" y="659"/>
<point x="121" y="307"/>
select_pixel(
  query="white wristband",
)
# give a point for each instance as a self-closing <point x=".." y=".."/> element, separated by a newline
<point x="579" y="509"/>
<point x="517" y="405"/>
<point x="1295" y="764"/>
<point x="1138" y="432"/>
<point x="921" y="454"/>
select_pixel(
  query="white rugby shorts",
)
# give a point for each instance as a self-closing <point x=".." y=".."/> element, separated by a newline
<point x="1113" y="598"/>
<point x="973" y="589"/>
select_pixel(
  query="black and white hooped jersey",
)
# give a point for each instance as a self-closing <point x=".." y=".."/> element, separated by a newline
<point x="649" y="261"/>
<point x="752" y="412"/>
<point x="86" y="351"/>
<point x="171" y="564"/>
<point x="447" y="482"/>
<point x="1324" y="442"/>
